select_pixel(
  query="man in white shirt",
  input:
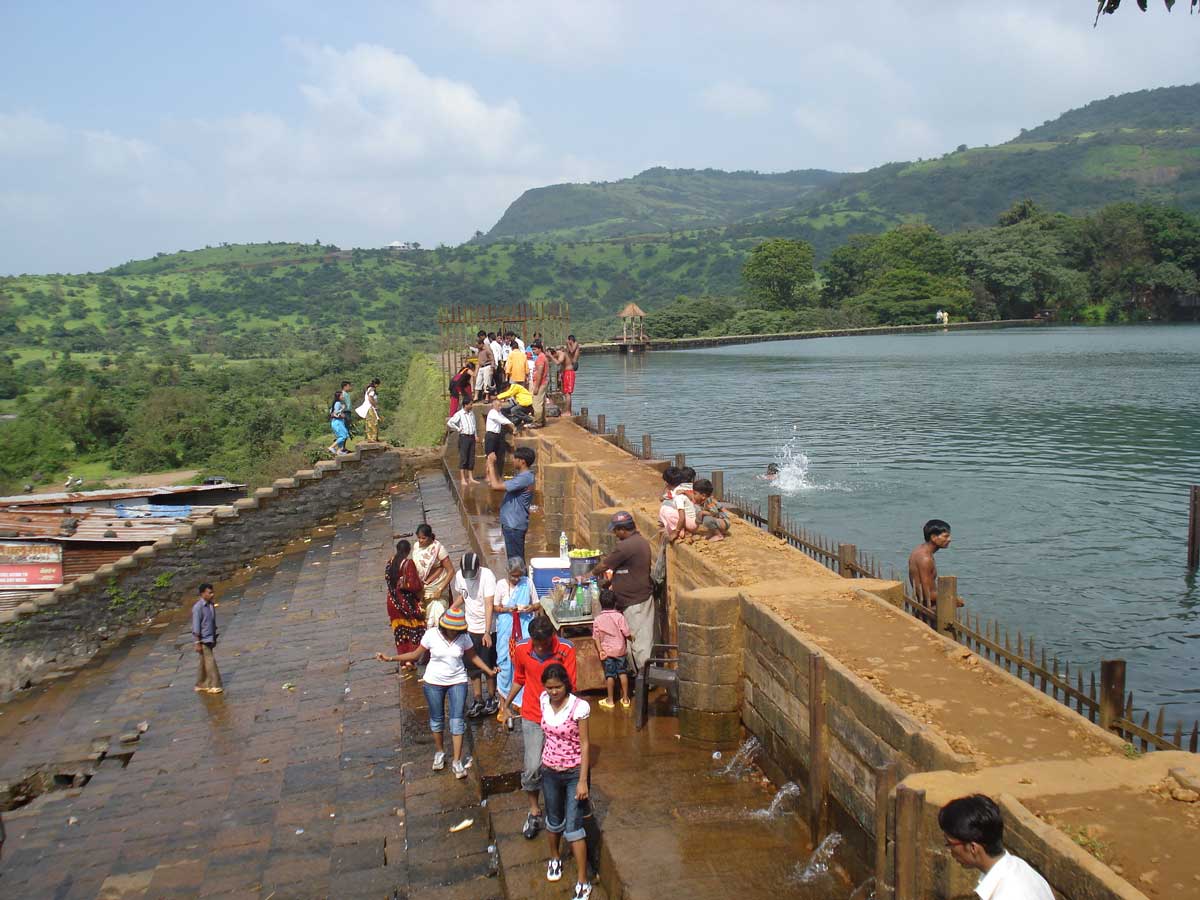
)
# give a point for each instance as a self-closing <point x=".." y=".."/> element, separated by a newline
<point x="463" y="422"/>
<point x="974" y="833"/>
<point x="494" y="445"/>
<point x="475" y="588"/>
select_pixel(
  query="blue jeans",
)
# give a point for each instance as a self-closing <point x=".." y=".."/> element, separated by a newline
<point x="435" y="696"/>
<point x="563" y="815"/>
<point x="514" y="541"/>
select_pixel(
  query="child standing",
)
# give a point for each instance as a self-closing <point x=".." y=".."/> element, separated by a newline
<point x="611" y="632"/>
<point x="565" y="774"/>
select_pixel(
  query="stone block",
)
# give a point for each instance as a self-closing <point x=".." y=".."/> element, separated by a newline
<point x="706" y="640"/>
<point x="204" y="524"/>
<point x="285" y="483"/>
<point x="266" y="493"/>
<point x="48" y="598"/>
<point x="149" y="552"/>
<point x="710" y="729"/>
<point x="709" y="606"/>
<point x="725" y="669"/>
<point x="709" y="697"/>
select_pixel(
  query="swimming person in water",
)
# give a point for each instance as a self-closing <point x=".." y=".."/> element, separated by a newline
<point x="922" y="569"/>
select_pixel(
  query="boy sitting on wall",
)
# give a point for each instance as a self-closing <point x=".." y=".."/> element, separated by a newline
<point x="714" y="521"/>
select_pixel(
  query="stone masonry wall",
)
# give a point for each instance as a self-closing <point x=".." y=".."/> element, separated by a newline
<point x="69" y="625"/>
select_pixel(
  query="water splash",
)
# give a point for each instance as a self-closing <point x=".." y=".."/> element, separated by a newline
<point x="865" y="891"/>
<point x="794" y="465"/>
<point x="742" y="760"/>
<point x="785" y="795"/>
<point x="818" y="863"/>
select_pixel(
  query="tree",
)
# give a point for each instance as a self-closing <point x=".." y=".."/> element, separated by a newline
<point x="1108" y="7"/>
<point x="1019" y="212"/>
<point x="777" y="269"/>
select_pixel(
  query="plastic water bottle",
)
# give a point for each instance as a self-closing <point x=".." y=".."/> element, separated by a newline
<point x="564" y="546"/>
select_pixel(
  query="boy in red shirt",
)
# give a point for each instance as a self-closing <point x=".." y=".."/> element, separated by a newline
<point x="531" y="656"/>
<point x="611" y="632"/>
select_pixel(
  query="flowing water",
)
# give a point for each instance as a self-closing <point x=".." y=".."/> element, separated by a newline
<point x="818" y="863"/>
<point x="1060" y="456"/>
<point x="742" y="761"/>
<point x="783" y="800"/>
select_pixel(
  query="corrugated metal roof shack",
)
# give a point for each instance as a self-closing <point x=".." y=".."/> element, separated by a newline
<point x="42" y="547"/>
<point x="220" y="494"/>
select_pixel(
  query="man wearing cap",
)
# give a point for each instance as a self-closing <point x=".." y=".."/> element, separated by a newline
<point x="518" y="497"/>
<point x="475" y="588"/>
<point x="629" y="563"/>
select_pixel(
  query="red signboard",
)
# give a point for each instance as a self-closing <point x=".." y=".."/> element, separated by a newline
<point x="28" y="565"/>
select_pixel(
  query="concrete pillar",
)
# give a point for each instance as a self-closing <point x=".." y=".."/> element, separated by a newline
<point x="710" y="667"/>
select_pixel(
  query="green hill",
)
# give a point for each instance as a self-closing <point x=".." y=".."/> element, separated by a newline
<point x="1143" y="146"/>
<point x="657" y="200"/>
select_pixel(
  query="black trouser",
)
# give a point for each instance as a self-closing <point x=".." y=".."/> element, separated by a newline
<point x="466" y="452"/>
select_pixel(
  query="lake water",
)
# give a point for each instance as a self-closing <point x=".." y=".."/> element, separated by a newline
<point x="1060" y="456"/>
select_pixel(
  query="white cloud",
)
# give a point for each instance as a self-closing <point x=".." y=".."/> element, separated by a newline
<point x="572" y="33"/>
<point x="735" y="99"/>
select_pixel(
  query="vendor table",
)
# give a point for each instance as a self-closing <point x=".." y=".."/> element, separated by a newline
<point x="589" y="671"/>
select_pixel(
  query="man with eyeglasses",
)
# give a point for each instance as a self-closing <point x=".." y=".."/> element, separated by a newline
<point x="974" y="833"/>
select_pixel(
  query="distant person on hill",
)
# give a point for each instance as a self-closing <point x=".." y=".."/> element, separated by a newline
<point x="518" y="497"/>
<point x="369" y="410"/>
<point x="494" y="444"/>
<point x="337" y="424"/>
<point x="922" y="569"/>
<point x="540" y="383"/>
<point x="629" y="562"/>
<point x="487" y="365"/>
<point x="973" y="830"/>
<point x="463" y="422"/>
<point x="204" y="631"/>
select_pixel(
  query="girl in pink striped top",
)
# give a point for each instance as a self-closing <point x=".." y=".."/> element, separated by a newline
<point x="565" y="773"/>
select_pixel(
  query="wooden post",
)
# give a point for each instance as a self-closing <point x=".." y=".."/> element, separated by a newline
<point x="718" y="480"/>
<point x="600" y="423"/>
<point x="909" y="804"/>
<point x="1112" y="691"/>
<point x="847" y="556"/>
<point x="885" y="783"/>
<point x="647" y="448"/>
<point x="1193" y="552"/>
<point x="621" y="435"/>
<point x="947" y="603"/>
<point x="774" y="512"/>
<point x="680" y="460"/>
<point x="818" y="751"/>
<point x="583" y="414"/>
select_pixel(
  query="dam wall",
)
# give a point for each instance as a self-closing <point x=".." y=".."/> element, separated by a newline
<point x="877" y="717"/>
<point x="67" y="626"/>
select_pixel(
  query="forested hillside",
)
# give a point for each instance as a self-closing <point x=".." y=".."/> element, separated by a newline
<point x="1143" y="146"/>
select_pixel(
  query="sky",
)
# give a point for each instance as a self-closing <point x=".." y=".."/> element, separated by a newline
<point x="132" y="128"/>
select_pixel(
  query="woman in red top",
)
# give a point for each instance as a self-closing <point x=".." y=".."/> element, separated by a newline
<point x="404" y="608"/>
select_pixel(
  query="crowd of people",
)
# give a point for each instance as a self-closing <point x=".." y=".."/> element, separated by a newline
<point x="502" y="367"/>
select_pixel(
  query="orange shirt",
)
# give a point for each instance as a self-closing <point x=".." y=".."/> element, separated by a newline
<point x="517" y="366"/>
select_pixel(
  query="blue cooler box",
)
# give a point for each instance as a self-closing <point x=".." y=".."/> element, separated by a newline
<point x="545" y="570"/>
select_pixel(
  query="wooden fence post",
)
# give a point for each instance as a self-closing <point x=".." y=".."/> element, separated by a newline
<point x="774" y="513"/>
<point x="680" y="460"/>
<point x="885" y="783"/>
<point x="847" y="557"/>
<point x="583" y="414"/>
<point x="601" y="423"/>
<point x="1112" y="691"/>
<point x="818" y="751"/>
<point x="621" y="436"/>
<point x="718" y="481"/>
<point x="647" y="448"/>
<point x="947" y="603"/>
<point x="909" y="804"/>
<point x="1193" y="551"/>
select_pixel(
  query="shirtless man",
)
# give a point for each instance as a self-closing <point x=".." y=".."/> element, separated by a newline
<point x="922" y="570"/>
<point x="569" y="360"/>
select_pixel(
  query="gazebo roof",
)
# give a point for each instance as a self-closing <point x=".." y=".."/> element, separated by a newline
<point x="631" y="311"/>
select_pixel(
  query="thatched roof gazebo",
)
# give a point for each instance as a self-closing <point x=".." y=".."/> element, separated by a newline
<point x="632" y="312"/>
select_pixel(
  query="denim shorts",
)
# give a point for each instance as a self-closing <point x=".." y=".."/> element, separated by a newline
<point x="614" y="666"/>
<point x="563" y="813"/>
<point x="436" y="696"/>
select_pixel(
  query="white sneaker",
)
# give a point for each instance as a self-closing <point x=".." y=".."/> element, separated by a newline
<point x="583" y="891"/>
<point x="554" y="870"/>
<point x="460" y="771"/>
<point x="439" y="761"/>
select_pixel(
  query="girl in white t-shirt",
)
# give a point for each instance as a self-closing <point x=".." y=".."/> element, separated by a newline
<point x="449" y="648"/>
